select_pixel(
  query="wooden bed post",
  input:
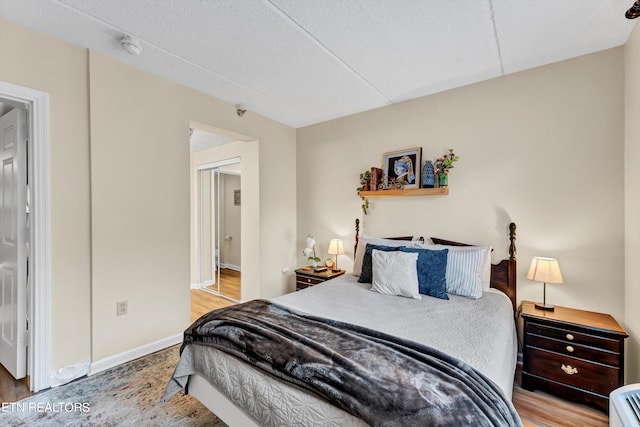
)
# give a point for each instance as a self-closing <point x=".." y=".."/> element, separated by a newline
<point x="512" y="271"/>
<point x="355" y="248"/>
<point x="512" y="240"/>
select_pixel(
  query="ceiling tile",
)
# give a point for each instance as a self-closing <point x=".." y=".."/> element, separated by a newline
<point x="535" y="33"/>
<point x="405" y="48"/>
<point x="247" y="42"/>
<point x="305" y="61"/>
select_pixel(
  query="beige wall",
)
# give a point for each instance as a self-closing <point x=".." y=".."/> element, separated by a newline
<point x="39" y="62"/>
<point x="632" y="203"/>
<point x="141" y="201"/>
<point x="140" y="207"/>
<point x="542" y="148"/>
<point x="120" y="180"/>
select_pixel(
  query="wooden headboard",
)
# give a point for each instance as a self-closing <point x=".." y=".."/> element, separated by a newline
<point x="355" y="247"/>
<point x="503" y="274"/>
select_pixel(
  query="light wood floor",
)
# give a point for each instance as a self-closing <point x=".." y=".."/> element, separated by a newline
<point x="203" y="302"/>
<point x="537" y="409"/>
<point x="229" y="283"/>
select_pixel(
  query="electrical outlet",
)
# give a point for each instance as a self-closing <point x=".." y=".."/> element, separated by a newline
<point x="121" y="308"/>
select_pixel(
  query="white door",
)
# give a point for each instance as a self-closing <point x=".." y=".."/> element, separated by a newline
<point x="13" y="248"/>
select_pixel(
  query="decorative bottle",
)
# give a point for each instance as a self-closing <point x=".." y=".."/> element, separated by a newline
<point x="428" y="176"/>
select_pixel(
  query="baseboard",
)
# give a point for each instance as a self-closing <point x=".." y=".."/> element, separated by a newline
<point x="127" y="356"/>
<point x="203" y="285"/>
<point x="230" y="267"/>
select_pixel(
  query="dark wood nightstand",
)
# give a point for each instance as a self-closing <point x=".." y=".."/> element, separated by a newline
<point x="575" y="354"/>
<point x="306" y="278"/>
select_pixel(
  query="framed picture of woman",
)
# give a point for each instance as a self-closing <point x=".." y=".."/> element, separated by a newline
<point x="402" y="168"/>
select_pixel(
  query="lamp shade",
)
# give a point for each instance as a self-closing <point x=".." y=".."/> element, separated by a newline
<point x="546" y="270"/>
<point x="336" y="247"/>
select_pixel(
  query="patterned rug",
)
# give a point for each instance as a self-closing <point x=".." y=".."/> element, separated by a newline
<point x="127" y="395"/>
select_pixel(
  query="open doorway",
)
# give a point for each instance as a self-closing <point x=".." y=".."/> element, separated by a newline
<point x="217" y="215"/>
<point x="220" y="228"/>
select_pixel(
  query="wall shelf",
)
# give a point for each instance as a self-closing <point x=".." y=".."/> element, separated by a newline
<point x="441" y="191"/>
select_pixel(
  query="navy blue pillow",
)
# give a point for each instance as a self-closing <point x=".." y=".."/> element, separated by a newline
<point x="432" y="269"/>
<point x="366" y="275"/>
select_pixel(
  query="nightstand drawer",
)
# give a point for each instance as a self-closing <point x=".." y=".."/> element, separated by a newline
<point x="573" y="337"/>
<point x="569" y="348"/>
<point x="306" y="278"/>
<point x="579" y="373"/>
<point x="308" y="281"/>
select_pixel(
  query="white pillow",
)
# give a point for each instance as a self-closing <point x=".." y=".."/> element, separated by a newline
<point x="362" y="246"/>
<point x="468" y="269"/>
<point x="395" y="273"/>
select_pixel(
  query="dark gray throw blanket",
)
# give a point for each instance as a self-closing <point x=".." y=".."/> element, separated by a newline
<point x="385" y="380"/>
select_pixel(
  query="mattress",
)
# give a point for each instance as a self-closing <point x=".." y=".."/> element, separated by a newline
<point x="479" y="332"/>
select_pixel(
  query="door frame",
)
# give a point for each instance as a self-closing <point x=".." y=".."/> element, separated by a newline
<point x="39" y="363"/>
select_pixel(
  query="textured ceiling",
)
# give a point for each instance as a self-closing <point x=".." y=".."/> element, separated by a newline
<point x="306" y="61"/>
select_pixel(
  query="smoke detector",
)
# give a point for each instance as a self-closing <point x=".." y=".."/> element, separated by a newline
<point x="131" y="45"/>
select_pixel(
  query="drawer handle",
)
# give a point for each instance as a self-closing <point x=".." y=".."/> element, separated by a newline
<point x="308" y="280"/>
<point x="570" y="349"/>
<point x="570" y="337"/>
<point x="569" y="370"/>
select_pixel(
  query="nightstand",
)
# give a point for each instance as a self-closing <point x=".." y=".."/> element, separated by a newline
<point x="307" y="278"/>
<point x="575" y="354"/>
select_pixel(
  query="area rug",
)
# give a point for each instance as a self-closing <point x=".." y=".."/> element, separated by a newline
<point x="127" y="395"/>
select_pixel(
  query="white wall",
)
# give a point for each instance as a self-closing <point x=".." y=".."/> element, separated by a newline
<point x="632" y="203"/>
<point x="542" y="148"/>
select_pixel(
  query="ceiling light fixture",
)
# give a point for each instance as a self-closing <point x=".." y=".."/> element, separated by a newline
<point x="634" y="12"/>
<point x="131" y="45"/>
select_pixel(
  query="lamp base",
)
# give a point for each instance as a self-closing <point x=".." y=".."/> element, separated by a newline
<point x="546" y="307"/>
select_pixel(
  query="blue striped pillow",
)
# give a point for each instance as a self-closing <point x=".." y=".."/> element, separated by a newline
<point x="464" y="271"/>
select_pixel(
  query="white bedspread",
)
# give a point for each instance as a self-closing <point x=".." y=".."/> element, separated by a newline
<point x="479" y="332"/>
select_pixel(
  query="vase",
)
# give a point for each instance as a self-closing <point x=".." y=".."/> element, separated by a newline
<point x="314" y="264"/>
<point x="428" y="176"/>
<point x="443" y="180"/>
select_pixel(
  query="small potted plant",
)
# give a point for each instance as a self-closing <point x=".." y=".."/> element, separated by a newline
<point x="365" y="179"/>
<point x="442" y="166"/>
<point x="310" y="251"/>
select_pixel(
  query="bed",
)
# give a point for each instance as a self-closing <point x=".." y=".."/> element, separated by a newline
<point x="467" y="335"/>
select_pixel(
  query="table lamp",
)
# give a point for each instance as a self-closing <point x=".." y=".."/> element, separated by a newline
<point x="336" y="247"/>
<point x="545" y="270"/>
